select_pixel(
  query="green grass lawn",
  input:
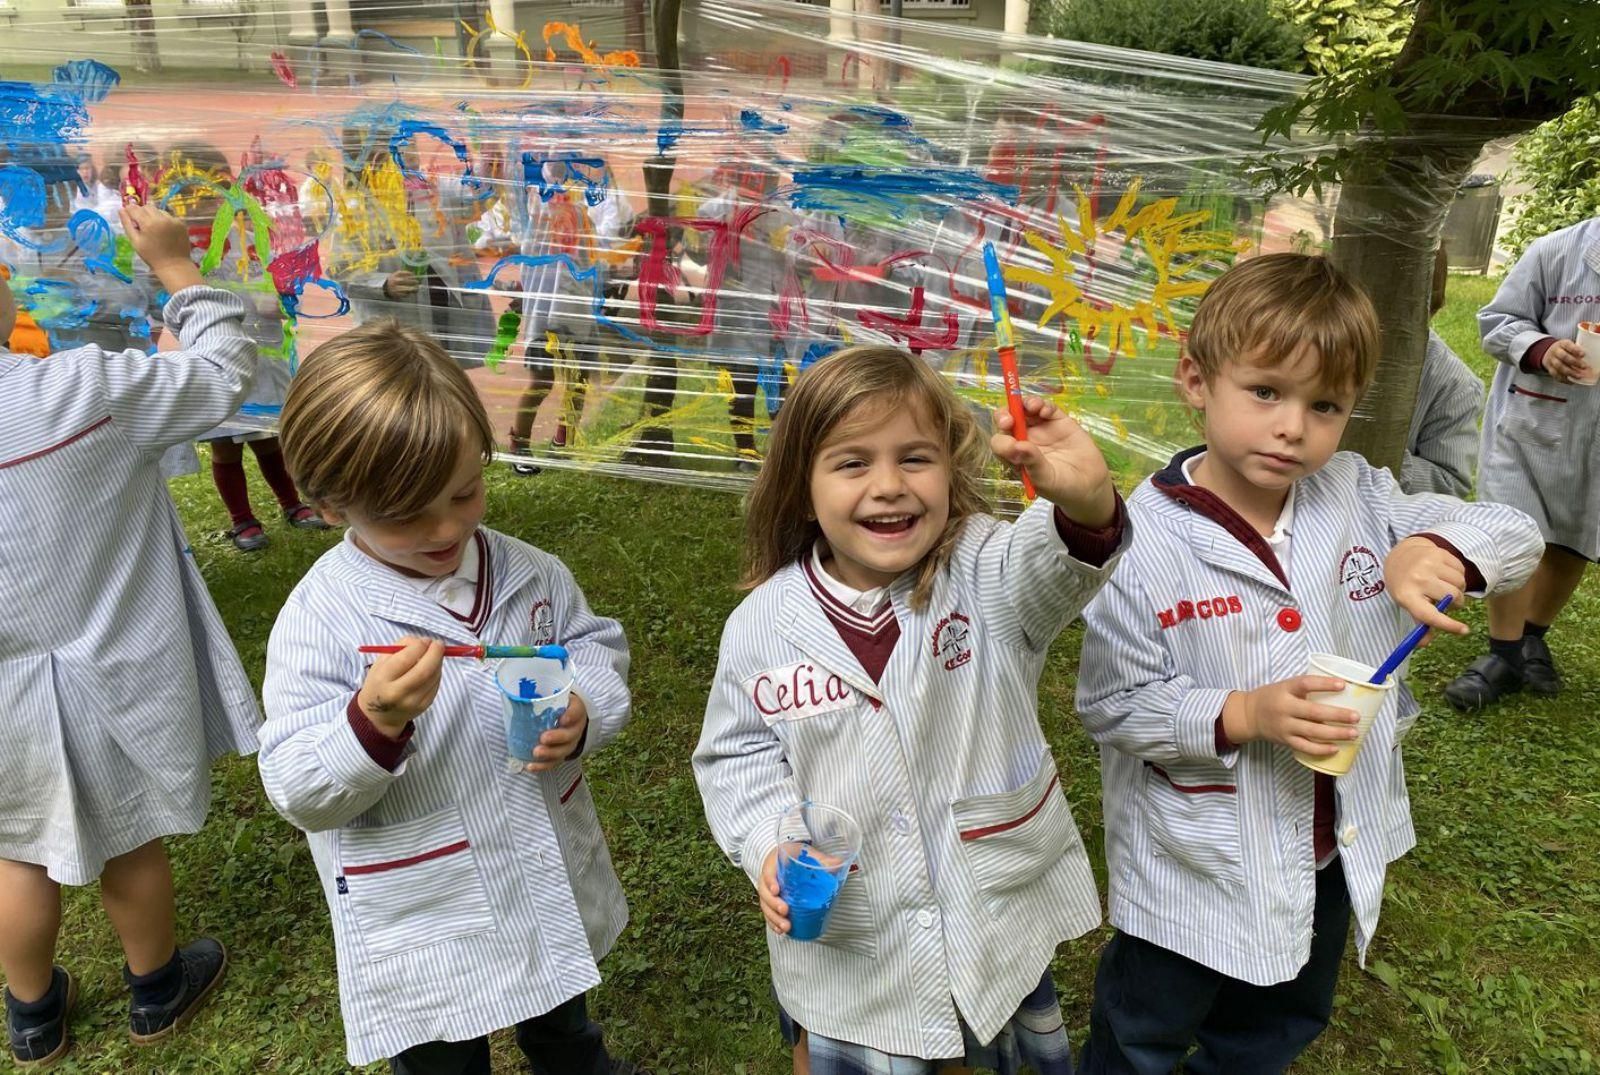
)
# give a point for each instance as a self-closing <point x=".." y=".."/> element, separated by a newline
<point x="1487" y="959"/>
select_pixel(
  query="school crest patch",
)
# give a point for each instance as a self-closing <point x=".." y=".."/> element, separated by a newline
<point x="952" y="641"/>
<point x="1360" y="573"/>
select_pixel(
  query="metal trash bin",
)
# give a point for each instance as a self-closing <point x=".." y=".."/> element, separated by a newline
<point x="1469" y="228"/>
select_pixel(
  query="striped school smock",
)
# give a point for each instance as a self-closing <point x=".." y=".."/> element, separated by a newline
<point x="972" y="871"/>
<point x="1209" y="854"/>
<point x="465" y="897"/>
<point x="1442" y="443"/>
<point x="118" y="683"/>
<point x="1540" y="452"/>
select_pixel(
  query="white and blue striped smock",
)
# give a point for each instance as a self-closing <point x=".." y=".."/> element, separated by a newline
<point x="972" y="871"/>
<point x="465" y="897"/>
<point x="118" y="683"/>
<point x="1212" y="856"/>
<point x="1442" y="444"/>
<point x="1540" y="450"/>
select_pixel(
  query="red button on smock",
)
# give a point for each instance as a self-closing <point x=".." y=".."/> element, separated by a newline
<point x="1288" y="619"/>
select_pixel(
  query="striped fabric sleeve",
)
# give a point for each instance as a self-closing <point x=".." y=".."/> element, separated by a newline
<point x="1030" y="583"/>
<point x="316" y="771"/>
<point x="1500" y="541"/>
<point x="599" y="655"/>
<point x="1510" y="324"/>
<point x="168" y="398"/>
<point x="744" y="777"/>
<point x="1442" y="445"/>
<point x="1131" y="697"/>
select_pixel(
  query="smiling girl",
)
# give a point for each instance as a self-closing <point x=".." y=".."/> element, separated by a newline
<point x="887" y="663"/>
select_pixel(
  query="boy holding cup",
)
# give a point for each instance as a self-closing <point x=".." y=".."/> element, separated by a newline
<point x="1234" y="870"/>
<point x="466" y="896"/>
<point x="1540" y="451"/>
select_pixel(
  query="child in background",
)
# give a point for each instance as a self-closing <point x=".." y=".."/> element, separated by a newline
<point x="264" y="323"/>
<point x="1539" y="452"/>
<point x="465" y="898"/>
<point x="887" y="664"/>
<point x="1442" y="444"/>
<point x="1233" y="868"/>
<point x="118" y="683"/>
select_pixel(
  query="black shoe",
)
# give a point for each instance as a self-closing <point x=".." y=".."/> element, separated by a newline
<point x="1486" y="681"/>
<point x="45" y="1043"/>
<point x="204" y="963"/>
<point x="1539" y="673"/>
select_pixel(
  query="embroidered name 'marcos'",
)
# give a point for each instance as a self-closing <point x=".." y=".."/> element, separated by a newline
<point x="799" y="690"/>
<point x="1207" y="608"/>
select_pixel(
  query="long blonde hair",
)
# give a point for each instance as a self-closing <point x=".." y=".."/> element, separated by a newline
<point x="780" y="525"/>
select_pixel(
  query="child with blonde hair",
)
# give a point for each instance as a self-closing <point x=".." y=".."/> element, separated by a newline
<point x="466" y="897"/>
<point x="886" y="663"/>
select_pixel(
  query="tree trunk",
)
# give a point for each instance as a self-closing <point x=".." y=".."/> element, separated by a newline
<point x="1392" y="206"/>
<point x="661" y="383"/>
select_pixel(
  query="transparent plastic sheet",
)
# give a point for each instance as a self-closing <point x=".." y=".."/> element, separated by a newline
<point x="834" y="179"/>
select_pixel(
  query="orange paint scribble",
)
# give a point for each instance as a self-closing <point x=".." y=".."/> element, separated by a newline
<point x="585" y="51"/>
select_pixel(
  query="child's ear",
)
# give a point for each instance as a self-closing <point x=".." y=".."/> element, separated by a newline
<point x="329" y="515"/>
<point x="1191" y="382"/>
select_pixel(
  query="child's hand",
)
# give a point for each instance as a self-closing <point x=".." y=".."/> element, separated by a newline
<point x="162" y="240"/>
<point x="400" y="284"/>
<point x="557" y="744"/>
<point x="400" y="686"/>
<point x="1280" y="713"/>
<point x="1564" y="362"/>
<point x="1419" y="573"/>
<point x="1064" y="462"/>
<point x="775" y="910"/>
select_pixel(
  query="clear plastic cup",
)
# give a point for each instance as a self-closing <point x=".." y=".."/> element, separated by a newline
<point x="817" y="844"/>
<point x="534" y="692"/>
<point x="1359" y="694"/>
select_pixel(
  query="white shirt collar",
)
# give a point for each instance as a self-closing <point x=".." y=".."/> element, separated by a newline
<point x="866" y="602"/>
<point x="456" y="591"/>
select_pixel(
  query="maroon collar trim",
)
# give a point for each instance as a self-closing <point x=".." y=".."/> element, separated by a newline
<point x="1172" y="483"/>
<point x="837" y="610"/>
<point x="483" y="590"/>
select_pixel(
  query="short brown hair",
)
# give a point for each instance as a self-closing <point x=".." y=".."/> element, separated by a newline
<point x="1272" y="305"/>
<point x="780" y="525"/>
<point x="376" y="418"/>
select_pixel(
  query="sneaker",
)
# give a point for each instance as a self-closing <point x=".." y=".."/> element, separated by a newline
<point x="1539" y="673"/>
<point x="204" y="963"/>
<point x="248" y="536"/>
<point x="519" y="446"/>
<point x="304" y="517"/>
<point x="1486" y="680"/>
<point x="36" y="1046"/>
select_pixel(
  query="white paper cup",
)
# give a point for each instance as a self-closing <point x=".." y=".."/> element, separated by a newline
<point x="1365" y="697"/>
<point x="534" y="692"/>
<point x="1589" y="341"/>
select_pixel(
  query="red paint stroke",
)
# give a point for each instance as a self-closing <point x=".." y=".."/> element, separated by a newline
<point x="291" y="269"/>
<point x="658" y="274"/>
<point x="909" y="329"/>
<point x="282" y="68"/>
<point x="784" y="68"/>
<point x="135" y="188"/>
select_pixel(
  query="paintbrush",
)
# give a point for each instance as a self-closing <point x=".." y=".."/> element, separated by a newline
<point x="1006" y="346"/>
<point x="486" y="653"/>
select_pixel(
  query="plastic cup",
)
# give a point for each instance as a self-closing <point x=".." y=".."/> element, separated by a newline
<point x="817" y="844"/>
<point x="534" y="692"/>
<point x="1589" y="342"/>
<point x="1359" y="694"/>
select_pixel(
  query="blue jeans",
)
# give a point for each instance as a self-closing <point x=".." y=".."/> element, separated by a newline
<point x="1151" y="1005"/>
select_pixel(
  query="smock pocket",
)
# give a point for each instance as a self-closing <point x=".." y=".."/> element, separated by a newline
<point x="413" y="885"/>
<point x="852" y="927"/>
<point x="1535" y="416"/>
<point x="1194" y="821"/>
<point x="1012" y="838"/>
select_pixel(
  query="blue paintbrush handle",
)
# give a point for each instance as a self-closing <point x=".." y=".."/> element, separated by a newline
<point x="1403" y="650"/>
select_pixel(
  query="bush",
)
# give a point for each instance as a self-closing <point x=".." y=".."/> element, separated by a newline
<point x="1339" y="33"/>
<point x="1558" y="160"/>
<point x="1247" y="32"/>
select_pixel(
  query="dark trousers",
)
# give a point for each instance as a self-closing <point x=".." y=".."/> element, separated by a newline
<point x="1151" y="1005"/>
<point x="562" y="1041"/>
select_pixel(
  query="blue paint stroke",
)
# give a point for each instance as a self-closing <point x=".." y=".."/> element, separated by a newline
<point x="769" y="379"/>
<point x="886" y="117"/>
<point x="41" y="115"/>
<point x="589" y="276"/>
<point x="851" y="189"/>
<point x="261" y="410"/>
<point x="91" y="80"/>
<point x="379" y="35"/>
<point x="99" y="244"/>
<point x="590" y="172"/>
<point x="22" y="207"/>
<point x="818" y="349"/>
<point x="76" y="312"/>
<point x="751" y="120"/>
<point x="291" y="301"/>
<point x="668" y="136"/>
<point x="407" y="133"/>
